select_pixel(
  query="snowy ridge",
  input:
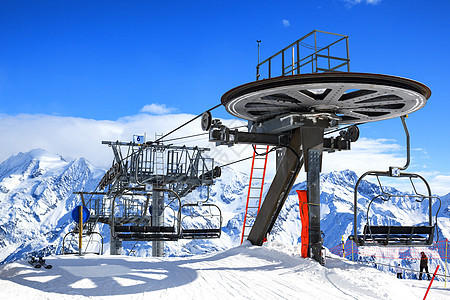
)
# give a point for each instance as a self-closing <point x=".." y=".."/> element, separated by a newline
<point x="36" y="200"/>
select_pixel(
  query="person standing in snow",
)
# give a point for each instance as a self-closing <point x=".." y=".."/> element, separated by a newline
<point x="399" y="271"/>
<point x="423" y="265"/>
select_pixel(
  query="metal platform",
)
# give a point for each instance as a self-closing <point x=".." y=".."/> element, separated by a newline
<point x="347" y="97"/>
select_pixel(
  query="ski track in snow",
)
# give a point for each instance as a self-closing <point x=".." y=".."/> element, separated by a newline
<point x="246" y="272"/>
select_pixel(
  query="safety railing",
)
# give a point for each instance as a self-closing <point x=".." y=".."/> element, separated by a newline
<point x="306" y="56"/>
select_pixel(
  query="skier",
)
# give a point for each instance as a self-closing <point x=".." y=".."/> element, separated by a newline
<point x="423" y="265"/>
<point x="399" y="271"/>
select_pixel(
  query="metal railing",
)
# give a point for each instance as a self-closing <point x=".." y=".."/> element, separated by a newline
<point x="296" y="57"/>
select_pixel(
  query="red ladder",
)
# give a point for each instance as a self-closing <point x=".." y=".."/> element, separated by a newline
<point x="255" y="188"/>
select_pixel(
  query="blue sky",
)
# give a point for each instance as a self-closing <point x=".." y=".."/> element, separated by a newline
<point x="102" y="62"/>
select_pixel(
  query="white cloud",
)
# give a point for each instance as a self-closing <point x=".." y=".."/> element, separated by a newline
<point x="440" y="184"/>
<point x="157" y="109"/>
<point x="285" y="23"/>
<point x="350" y="3"/>
<point x="366" y="154"/>
<point x="77" y="137"/>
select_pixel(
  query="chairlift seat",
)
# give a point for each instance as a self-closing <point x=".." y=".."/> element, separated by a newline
<point x="146" y="233"/>
<point x="396" y="236"/>
<point x="144" y="229"/>
<point x="201" y="233"/>
<point x="140" y="236"/>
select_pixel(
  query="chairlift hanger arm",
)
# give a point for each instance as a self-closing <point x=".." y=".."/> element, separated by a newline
<point x="396" y="170"/>
<point x="408" y="142"/>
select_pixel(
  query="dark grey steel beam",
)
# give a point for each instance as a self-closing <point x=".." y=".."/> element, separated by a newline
<point x="312" y="144"/>
<point x="282" y="183"/>
<point x="225" y="136"/>
<point x="313" y="192"/>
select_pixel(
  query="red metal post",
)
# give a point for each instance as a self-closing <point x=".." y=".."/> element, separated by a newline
<point x="431" y="282"/>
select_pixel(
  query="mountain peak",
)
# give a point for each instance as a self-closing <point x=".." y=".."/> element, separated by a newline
<point x="26" y="162"/>
<point x="344" y="177"/>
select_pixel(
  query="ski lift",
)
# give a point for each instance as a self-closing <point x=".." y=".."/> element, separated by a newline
<point x="91" y="245"/>
<point x="137" y="226"/>
<point x="201" y="221"/>
<point x="377" y="235"/>
<point x="83" y="237"/>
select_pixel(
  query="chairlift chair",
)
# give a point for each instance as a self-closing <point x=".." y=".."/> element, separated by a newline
<point x="388" y="235"/>
<point x="90" y="245"/>
<point x="380" y="235"/>
<point x="136" y="225"/>
<point x="208" y="214"/>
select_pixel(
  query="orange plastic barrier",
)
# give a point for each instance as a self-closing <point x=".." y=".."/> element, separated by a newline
<point x="304" y="217"/>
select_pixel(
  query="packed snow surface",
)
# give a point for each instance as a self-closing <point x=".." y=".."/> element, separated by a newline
<point x="274" y="271"/>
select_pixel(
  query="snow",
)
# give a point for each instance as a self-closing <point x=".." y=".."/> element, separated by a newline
<point x="35" y="203"/>
<point x="273" y="271"/>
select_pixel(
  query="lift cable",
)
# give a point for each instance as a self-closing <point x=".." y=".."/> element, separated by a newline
<point x="290" y="148"/>
<point x="184" y="124"/>
<point x="242" y="159"/>
<point x="198" y="134"/>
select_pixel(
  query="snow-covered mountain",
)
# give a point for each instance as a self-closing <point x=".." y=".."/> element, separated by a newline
<point x="36" y="199"/>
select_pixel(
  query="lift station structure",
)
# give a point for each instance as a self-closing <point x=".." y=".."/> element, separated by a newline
<point x="300" y="94"/>
<point x="140" y="196"/>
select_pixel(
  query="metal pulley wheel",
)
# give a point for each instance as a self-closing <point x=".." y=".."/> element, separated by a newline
<point x="353" y="133"/>
<point x="349" y="97"/>
<point x="206" y="121"/>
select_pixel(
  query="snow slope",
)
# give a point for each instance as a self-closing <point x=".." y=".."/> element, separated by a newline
<point x="273" y="271"/>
